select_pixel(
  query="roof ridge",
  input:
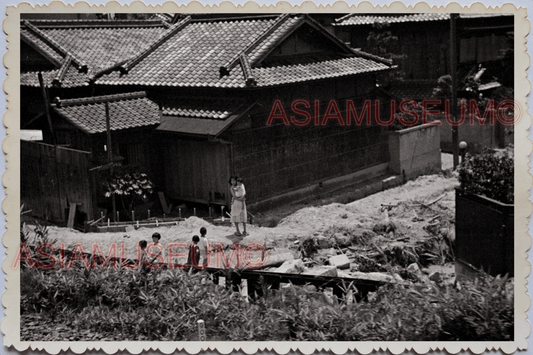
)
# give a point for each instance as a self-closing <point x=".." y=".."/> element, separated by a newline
<point x="38" y="48"/>
<point x="49" y="23"/>
<point x="62" y="71"/>
<point x="225" y="69"/>
<point x="99" y="99"/>
<point x="314" y="24"/>
<point x="108" y="69"/>
<point x="372" y="56"/>
<point x="344" y="17"/>
<point x="247" y="70"/>
<point x="81" y="66"/>
<point x="163" y="38"/>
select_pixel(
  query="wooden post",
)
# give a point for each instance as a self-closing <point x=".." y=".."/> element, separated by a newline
<point x="453" y="73"/>
<point x="110" y="154"/>
<point x="47" y="107"/>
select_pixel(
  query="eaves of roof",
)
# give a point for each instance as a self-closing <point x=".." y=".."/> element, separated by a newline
<point x="126" y="111"/>
<point x="369" y="19"/>
<point x="200" y="126"/>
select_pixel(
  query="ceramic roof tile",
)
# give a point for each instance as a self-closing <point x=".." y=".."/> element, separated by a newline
<point x="73" y="78"/>
<point x="358" y="19"/>
<point x="98" y="47"/>
<point x="315" y="71"/>
<point x="42" y="46"/>
<point x="201" y="117"/>
<point x="124" y="113"/>
<point x="192" y="57"/>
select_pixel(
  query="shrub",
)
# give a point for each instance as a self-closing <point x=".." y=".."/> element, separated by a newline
<point x="490" y="174"/>
<point x="117" y="304"/>
<point x="131" y="188"/>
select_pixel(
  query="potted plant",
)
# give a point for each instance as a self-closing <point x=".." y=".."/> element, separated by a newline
<point x="485" y="213"/>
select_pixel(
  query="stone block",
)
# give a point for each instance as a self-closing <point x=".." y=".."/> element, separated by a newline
<point x="292" y="267"/>
<point x="340" y="261"/>
<point x="413" y="268"/>
<point x="278" y="259"/>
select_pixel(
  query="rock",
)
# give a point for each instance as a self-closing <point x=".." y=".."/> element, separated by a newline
<point x="278" y="259"/>
<point x="342" y="240"/>
<point x="340" y="261"/>
<point x="323" y="242"/>
<point x="292" y="267"/>
<point x="329" y="271"/>
<point x="413" y="268"/>
<point x="435" y="276"/>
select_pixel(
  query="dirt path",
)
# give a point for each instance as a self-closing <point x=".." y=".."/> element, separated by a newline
<point x="363" y="214"/>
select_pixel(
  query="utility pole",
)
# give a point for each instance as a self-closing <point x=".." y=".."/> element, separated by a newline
<point x="453" y="73"/>
<point x="110" y="155"/>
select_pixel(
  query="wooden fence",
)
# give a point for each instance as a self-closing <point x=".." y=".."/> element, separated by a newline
<point x="54" y="177"/>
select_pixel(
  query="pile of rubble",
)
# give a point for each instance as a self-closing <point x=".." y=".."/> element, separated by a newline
<point x="405" y="242"/>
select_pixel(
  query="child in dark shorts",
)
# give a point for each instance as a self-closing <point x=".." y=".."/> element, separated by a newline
<point x="193" y="259"/>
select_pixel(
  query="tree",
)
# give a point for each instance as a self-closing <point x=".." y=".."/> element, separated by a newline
<point x="382" y="43"/>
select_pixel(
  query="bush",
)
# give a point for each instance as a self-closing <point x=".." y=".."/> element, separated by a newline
<point x="489" y="174"/>
<point x="118" y="304"/>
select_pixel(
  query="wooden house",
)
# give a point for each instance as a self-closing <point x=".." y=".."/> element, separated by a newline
<point x="217" y="83"/>
<point x="424" y="41"/>
<point x="484" y="52"/>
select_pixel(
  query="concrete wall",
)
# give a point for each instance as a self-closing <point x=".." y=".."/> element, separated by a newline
<point x="476" y="135"/>
<point x="415" y="151"/>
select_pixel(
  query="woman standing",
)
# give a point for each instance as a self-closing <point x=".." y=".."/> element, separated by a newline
<point x="238" y="205"/>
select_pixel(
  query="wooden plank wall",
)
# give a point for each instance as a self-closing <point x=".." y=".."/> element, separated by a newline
<point x="197" y="170"/>
<point x="277" y="159"/>
<point x="51" y="178"/>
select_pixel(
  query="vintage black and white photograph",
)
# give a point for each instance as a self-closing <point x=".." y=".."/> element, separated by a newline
<point x="203" y="177"/>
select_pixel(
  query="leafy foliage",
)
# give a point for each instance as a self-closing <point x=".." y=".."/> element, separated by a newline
<point x="118" y="304"/>
<point x="132" y="188"/>
<point x="383" y="43"/>
<point x="490" y="174"/>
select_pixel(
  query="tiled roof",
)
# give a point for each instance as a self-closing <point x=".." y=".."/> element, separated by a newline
<point x="316" y="71"/>
<point x="361" y="19"/>
<point x="201" y="117"/>
<point x="126" y="111"/>
<point x="199" y="122"/>
<point x="73" y="78"/>
<point x="197" y="55"/>
<point x="97" y="47"/>
<point x="193" y="56"/>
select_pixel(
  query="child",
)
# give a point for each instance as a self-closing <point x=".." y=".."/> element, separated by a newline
<point x="193" y="259"/>
<point x="143" y="266"/>
<point x="155" y="252"/>
<point x="204" y="247"/>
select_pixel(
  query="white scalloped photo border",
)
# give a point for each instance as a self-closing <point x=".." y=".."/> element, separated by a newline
<point x="10" y="325"/>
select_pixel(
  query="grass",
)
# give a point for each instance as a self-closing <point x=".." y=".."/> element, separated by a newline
<point x="118" y="304"/>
